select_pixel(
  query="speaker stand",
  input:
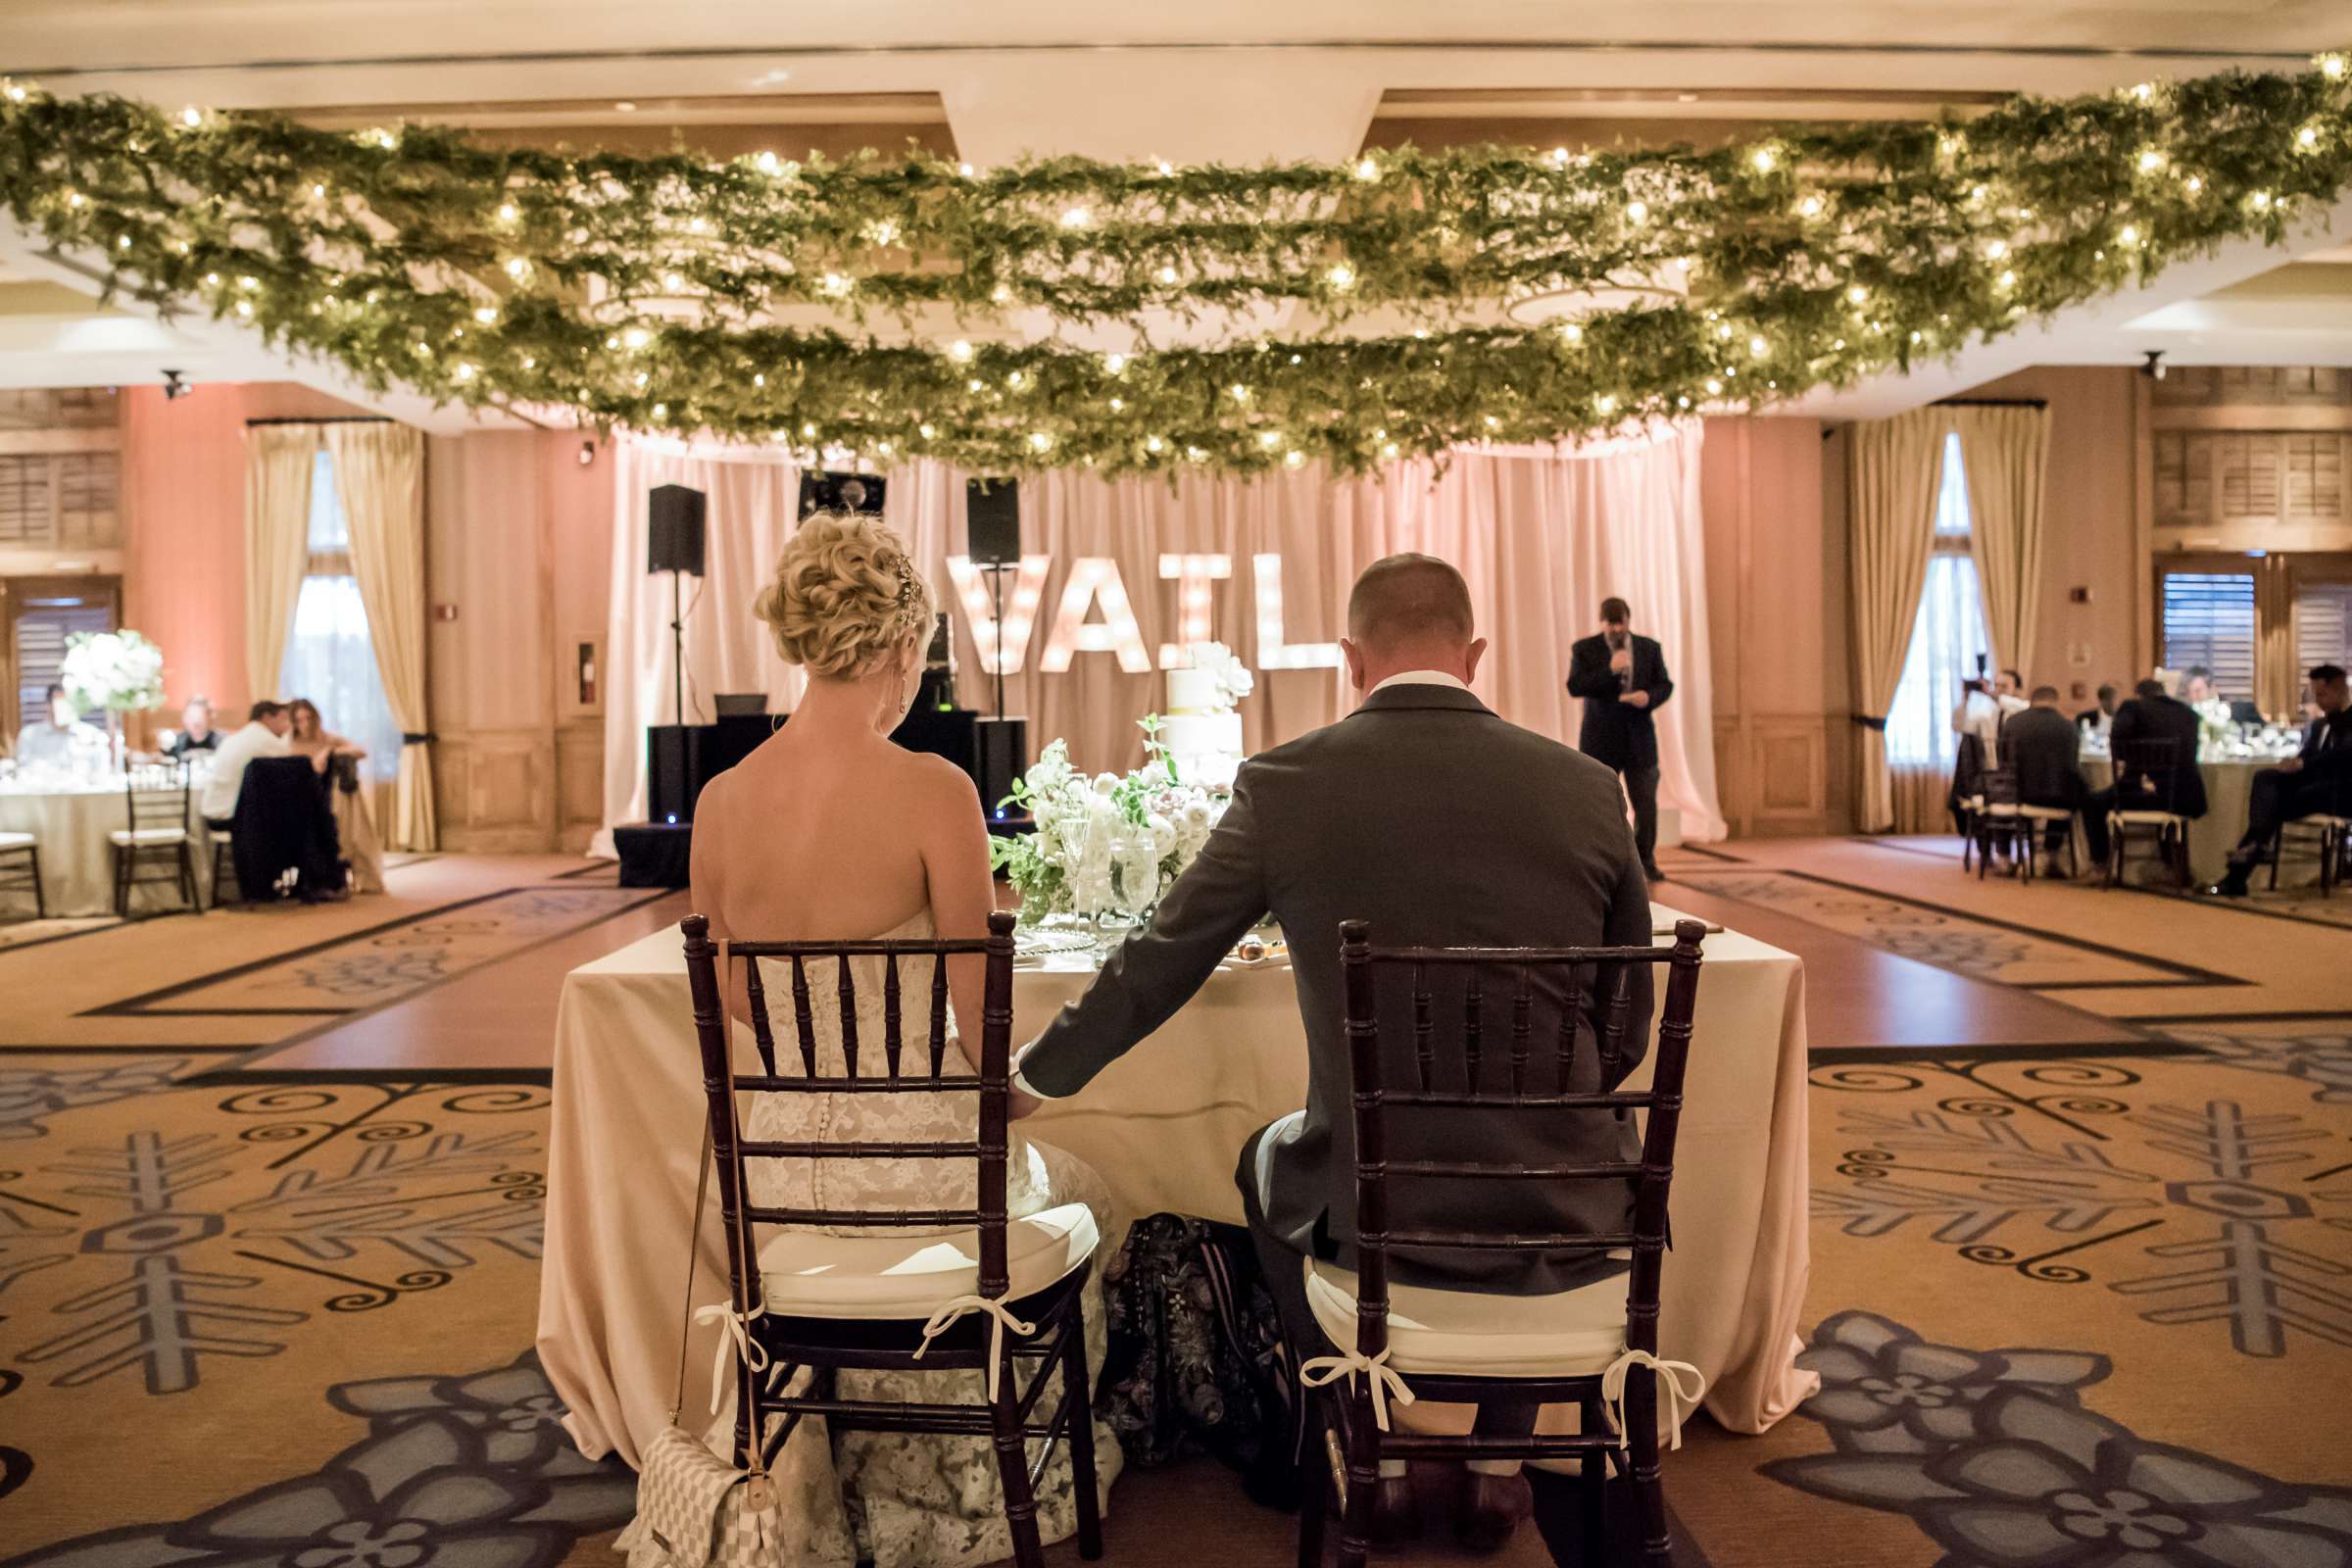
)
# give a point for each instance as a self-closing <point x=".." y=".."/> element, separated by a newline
<point x="677" y="649"/>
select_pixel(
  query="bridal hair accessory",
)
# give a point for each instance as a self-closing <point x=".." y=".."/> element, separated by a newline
<point x="947" y="1316"/>
<point x="1680" y="1400"/>
<point x="904" y="568"/>
<point x="1385" y="1384"/>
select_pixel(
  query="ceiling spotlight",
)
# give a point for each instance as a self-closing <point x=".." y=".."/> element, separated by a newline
<point x="2154" y="369"/>
<point x="175" y="385"/>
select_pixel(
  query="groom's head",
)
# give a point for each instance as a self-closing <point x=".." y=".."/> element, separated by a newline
<point x="1409" y="612"/>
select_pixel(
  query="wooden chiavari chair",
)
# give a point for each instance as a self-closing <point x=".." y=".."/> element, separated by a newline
<point x="1595" y="1347"/>
<point x="993" y="1294"/>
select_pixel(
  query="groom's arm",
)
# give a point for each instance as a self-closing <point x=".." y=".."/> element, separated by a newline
<point x="1219" y="897"/>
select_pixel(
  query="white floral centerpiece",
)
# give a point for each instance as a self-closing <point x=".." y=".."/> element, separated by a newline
<point x="1103" y="844"/>
<point x="120" y="671"/>
<point x="2216" y="726"/>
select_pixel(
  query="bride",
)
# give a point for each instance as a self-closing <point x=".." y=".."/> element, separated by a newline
<point x="829" y="832"/>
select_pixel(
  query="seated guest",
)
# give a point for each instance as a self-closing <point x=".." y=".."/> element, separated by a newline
<point x="2152" y="713"/>
<point x="264" y="735"/>
<point x="2045" y="752"/>
<point x="2093" y="722"/>
<point x="2196" y="685"/>
<point x="59" y="737"/>
<point x="2318" y="781"/>
<point x="354" y="826"/>
<point x="1458" y="828"/>
<point x="196" y="732"/>
<point x="1984" y="707"/>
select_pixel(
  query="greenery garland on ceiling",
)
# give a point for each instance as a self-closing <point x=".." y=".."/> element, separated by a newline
<point x="828" y="305"/>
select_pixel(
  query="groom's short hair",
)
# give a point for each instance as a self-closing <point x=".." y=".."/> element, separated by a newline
<point x="1408" y="598"/>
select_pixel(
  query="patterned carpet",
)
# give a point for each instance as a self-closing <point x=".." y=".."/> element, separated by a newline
<point x="2067" y="1312"/>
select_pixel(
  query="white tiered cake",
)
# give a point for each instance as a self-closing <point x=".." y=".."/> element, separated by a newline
<point x="1200" y="731"/>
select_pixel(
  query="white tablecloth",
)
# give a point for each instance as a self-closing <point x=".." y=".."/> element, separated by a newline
<point x="2229" y="790"/>
<point x="1162" y="1127"/>
<point x="77" y="864"/>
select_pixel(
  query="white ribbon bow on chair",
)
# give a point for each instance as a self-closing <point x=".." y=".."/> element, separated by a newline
<point x="1680" y="1400"/>
<point x="1385" y="1384"/>
<point x="955" y="1310"/>
<point x="736" y="1335"/>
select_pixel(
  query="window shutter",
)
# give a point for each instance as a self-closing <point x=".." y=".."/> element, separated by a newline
<point x="2209" y="621"/>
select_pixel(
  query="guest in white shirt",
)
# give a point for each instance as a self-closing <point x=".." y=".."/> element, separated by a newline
<point x="264" y="735"/>
<point x="1981" y="712"/>
<point x="59" y="736"/>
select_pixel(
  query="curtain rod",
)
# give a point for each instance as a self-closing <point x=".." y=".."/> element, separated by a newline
<point x="329" y="419"/>
<point x="1992" y="403"/>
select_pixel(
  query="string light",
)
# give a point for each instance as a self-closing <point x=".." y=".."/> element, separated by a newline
<point x="2151" y="160"/>
<point x="636" y="337"/>
<point x="1039" y="441"/>
<point x="961" y="351"/>
<point x="190" y="117"/>
<point x="1572" y="331"/>
<point x="518" y="269"/>
<point x="1114" y="364"/>
<point x="1637" y="211"/>
<point x="1810" y="206"/>
<point x="1077" y="217"/>
<point x="1366" y="168"/>
<point x="1341" y="278"/>
<point x="487" y="315"/>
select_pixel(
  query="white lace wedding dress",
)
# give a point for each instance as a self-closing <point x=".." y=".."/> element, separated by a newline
<point x="903" y="1500"/>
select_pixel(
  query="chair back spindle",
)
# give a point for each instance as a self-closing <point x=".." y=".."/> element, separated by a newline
<point x="1648" y="1179"/>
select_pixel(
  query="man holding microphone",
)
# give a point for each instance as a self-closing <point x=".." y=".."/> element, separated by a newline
<point x="1623" y="681"/>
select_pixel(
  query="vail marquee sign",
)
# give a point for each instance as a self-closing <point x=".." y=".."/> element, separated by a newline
<point x="1096" y="580"/>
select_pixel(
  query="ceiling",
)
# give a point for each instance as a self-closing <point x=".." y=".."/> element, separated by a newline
<point x="1211" y="79"/>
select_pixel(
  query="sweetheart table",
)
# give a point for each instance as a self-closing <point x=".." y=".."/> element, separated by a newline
<point x="1162" y="1127"/>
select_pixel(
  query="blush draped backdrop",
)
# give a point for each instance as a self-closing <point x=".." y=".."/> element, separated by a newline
<point x="1542" y="535"/>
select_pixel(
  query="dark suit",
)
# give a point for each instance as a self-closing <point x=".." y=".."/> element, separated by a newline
<point x="1431" y="818"/>
<point x="2042" y="749"/>
<point x="1619" y="734"/>
<point x="2179" y="788"/>
<point x="2323" y="785"/>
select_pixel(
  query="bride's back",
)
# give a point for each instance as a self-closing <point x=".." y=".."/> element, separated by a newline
<point x="808" y="838"/>
<point x="827" y="831"/>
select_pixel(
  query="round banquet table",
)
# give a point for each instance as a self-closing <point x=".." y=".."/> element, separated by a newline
<point x="2229" y="788"/>
<point x="1162" y="1126"/>
<point x="71" y="821"/>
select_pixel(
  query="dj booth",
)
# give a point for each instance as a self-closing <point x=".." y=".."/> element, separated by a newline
<point x="680" y="759"/>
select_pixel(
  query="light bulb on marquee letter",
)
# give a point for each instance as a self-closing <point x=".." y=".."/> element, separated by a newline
<point x="1272" y="651"/>
<point x="980" y="610"/>
<point x="1191" y="575"/>
<point x="1093" y="576"/>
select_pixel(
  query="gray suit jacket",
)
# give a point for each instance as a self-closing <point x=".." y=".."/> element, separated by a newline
<point x="1434" y="819"/>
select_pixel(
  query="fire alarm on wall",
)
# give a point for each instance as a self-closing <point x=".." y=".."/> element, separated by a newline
<point x="2078" y="596"/>
<point x="445" y="612"/>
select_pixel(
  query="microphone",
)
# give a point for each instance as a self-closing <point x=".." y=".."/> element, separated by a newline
<point x="1625" y="676"/>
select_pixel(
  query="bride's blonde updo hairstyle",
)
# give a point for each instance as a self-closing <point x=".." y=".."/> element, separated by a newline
<point x="845" y="596"/>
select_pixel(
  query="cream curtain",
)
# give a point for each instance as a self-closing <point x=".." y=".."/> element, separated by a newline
<point x="1892" y="467"/>
<point x="2007" y="453"/>
<point x="1541" y="536"/>
<point x="279" y="459"/>
<point x="379" y="477"/>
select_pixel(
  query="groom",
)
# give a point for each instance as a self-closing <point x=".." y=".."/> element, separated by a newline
<point x="1426" y="815"/>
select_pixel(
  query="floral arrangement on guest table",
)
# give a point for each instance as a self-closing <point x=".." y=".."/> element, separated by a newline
<point x="118" y="671"/>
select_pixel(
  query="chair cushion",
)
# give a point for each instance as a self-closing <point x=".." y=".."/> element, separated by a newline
<point x="148" y="835"/>
<point x="2001" y="808"/>
<point x="1571" y="1334"/>
<point x="908" y="1274"/>
<point x="2149" y="818"/>
<point x="2045" y="814"/>
<point x="16" y="841"/>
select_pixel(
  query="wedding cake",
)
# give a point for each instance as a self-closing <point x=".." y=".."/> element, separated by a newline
<point x="1201" y="733"/>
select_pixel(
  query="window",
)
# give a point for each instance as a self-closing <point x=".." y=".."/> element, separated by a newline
<point x="329" y="657"/>
<point x="2322" y="624"/>
<point x="1949" y="642"/>
<point x="2209" y="621"/>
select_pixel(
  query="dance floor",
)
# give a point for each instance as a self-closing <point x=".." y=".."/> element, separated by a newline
<point x="2081" y="1161"/>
